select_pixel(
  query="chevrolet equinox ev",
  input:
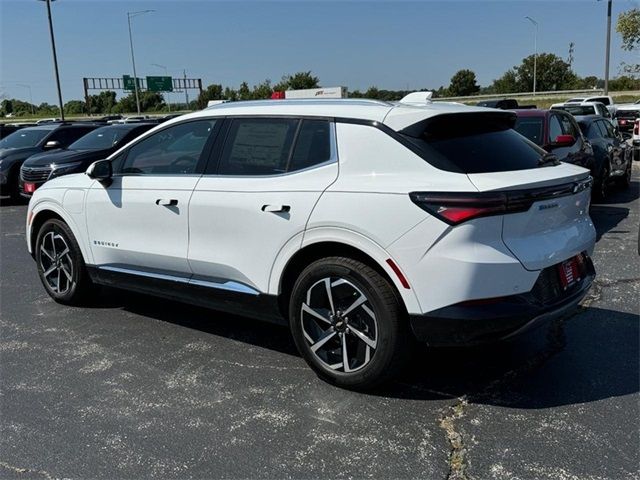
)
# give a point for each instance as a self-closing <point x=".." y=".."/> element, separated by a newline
<point x="363" y="225"/>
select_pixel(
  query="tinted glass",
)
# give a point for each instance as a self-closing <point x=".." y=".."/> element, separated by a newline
<point x="603" y="100"/>
<point x="578" y="109"/>
<point x="313" y="145"/>
<point x="173" y="150"/>
<point x="24" y="138"/>
<point x="66" y="136"/>
<point x="555" y="128"/>
<point x="100" y="139"/>
<point x="595" y="132"/>
<point x="258" y="146"/>
<point x="608" y="128"/>
<point x="476" y="144"/>
<point x="530" y="127"/>
<point x="568" y="128"/>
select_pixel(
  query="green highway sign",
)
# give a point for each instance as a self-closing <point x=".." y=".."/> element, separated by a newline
<point x="128" y="83"/>
<point x="160" y="84"/>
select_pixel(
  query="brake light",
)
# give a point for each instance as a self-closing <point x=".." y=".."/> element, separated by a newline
<point x="636" y="128"/>
<point x="455" y="208"/>
<point x="458" y="207"/>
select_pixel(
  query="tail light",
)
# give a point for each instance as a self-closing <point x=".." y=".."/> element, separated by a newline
<point x="636" y="128"/>
<point x="455" y="208"/>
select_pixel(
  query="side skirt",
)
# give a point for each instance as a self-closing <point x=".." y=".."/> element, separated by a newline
<point x="237" y="299"/>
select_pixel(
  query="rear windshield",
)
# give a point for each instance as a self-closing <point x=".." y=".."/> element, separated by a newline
<point x="474" y="143"/>
<point x="576" y="110"/>
<point x="530" y="127"/>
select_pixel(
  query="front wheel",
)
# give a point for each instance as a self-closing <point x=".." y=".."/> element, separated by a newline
<point x="60" y="264"/>
<point x="348" y="324"/>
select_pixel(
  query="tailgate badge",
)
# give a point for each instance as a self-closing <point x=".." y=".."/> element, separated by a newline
<point x="547" y="206"/>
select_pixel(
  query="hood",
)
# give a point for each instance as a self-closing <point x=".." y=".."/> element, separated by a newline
<point x="8" y="156"/>
<point x="60" y="157"/>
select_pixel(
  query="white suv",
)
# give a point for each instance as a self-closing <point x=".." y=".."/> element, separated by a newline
<point x="363" y="224"/>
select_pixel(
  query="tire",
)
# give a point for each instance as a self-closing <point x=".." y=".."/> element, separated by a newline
<point x="63" y="275"/>
<point x="624" y="182"/>
<point x="364" y="314"/>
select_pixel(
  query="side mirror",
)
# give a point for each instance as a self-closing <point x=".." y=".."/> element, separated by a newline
<point x="51" y="144"/>
<point x="564" y="141"/>
<point x="101" y="171"/>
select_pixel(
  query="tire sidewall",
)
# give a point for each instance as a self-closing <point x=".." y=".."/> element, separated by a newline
<point x="386" y="324"/>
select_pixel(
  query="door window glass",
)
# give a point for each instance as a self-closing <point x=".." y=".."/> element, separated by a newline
<point x="313" y="145"/>
<point x="555" y="128"/>
<point x="258" y="146"/>
<point x="173" y="150"/>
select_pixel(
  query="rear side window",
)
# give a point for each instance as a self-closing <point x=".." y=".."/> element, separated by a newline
<point x="604" y="100"/>
<point x="313" y="145"/>
<point x="258" y="146"/>
<point x="474" y="143"/>
<point x="530" y="127"/>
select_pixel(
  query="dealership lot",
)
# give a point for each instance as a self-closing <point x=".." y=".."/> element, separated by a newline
<point x="138" y="387"/>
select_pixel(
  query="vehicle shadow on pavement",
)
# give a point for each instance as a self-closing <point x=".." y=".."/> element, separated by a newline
<point x="586" y="357"/>
<point x="606" y="217"/>
<point x="590" y="356"/>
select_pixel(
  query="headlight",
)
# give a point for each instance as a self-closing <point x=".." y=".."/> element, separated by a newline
<point x="64" y="169"/>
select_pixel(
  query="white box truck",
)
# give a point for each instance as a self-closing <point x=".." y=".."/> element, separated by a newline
<point x="328" y="92"/>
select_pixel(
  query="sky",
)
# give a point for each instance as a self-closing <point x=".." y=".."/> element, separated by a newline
<point x="389" y="44"/>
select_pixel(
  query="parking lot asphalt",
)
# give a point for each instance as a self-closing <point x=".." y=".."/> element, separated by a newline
<point x="140" y="387"/>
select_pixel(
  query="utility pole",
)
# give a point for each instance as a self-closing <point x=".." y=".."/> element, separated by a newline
<point x="606" y="61"/>
<point x="55" y="58"/>
<point x="130" y="15"/>
<point x="535" y="49"/>
<point x="186" y="92"/>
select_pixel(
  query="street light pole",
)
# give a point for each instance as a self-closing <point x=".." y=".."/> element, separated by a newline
<point x="130" y="15"/>
<point x="166" y="72"/>
<point x="606" y="61"/>
<point x="24" y="85"/>
<point x="55" y="58"/>
<point x="535" y="48"/>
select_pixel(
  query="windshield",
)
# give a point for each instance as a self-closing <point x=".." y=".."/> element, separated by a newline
<point x="24" y="138"/>
<point x="578" y="109"/>
<point x="100" y="139"/>
<point x="530" y="127"/>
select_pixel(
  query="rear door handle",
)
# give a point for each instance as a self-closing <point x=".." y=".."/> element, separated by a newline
<point x="276" y="208"/>
<point x="167" y="202"/>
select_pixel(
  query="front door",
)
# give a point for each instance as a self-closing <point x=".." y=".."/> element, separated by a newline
<point x="140" y="222"/>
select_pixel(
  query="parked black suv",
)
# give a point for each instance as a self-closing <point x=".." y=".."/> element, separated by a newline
<point x="20" y="145"/>
<point x="95" y="145"/>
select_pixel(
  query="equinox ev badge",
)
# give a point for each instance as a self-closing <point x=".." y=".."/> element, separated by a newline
<point x="547" y="206"/>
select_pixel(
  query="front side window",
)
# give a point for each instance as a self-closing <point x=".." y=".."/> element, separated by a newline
<point x="258" y="146"/>
<point x="66" y="136"/>
<point x="568" y="126"/>
<point x="173" y="150"/>
<point x="555" y="128"/>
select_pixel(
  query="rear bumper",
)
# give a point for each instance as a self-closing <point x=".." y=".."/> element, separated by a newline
<point x="472" y="324"/>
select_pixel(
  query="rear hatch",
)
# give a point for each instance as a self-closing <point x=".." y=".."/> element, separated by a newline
<point x="544" y="203"/>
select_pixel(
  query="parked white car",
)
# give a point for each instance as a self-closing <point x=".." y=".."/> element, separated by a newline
<point x="606" y="100"/>
<point x="362" y="224"/>
<point x="584" y="108"/>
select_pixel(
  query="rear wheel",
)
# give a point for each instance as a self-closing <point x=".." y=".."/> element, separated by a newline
<point x="602" y="190"/>
<point x="60" y="264"/>
<point x="348" y="324"/>
<point x="624" y="182"/>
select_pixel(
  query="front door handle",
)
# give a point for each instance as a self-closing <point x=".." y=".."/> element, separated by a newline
<point x="276" y="208"/>
<point x="167" y="202"/>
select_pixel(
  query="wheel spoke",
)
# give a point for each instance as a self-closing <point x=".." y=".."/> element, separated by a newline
<point x="335" y="366"/>
<point x="58" y="280"/>
<point x="47" y="254"/>
<point x="355" y="304"/>
<point x="67" y="274"/>
<point x="363" y="337"/>
<point x="311" y="311"/>
<point x="323" y="340"/>
<point x="327" y="286"/>
<point x="345" y="355"/>
<point x="49" y="271"/>
<point x="53" y="244"/>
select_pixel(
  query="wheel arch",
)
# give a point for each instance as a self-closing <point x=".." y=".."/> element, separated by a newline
<point x="283" y="281"/>
<point x="43" y="213"/>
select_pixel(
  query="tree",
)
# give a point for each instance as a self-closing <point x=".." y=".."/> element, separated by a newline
<point x="74" y="107"/>
<point x="297" y="81"/>
<point x="262" y="90"/>
<point x="507" y="83"/>
<point x="463" y="83"/>
<point x="7" y="106"/>
<point x="628" y="26"/>
<point x="552" y="73"/>
<point x="212" y="92"/>
<point x="243" y="92"/>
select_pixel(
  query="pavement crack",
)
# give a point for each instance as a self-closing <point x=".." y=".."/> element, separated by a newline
<point x="25" y="471"/>
<point x="457" y="449"/>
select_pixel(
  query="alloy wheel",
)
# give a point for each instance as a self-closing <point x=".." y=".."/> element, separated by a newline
<point x="56" y="263"/>
<point x="339" y="324"/>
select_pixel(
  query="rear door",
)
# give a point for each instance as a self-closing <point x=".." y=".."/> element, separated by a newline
<point x="256" y="198"/>
<point x="616" y="147"/>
